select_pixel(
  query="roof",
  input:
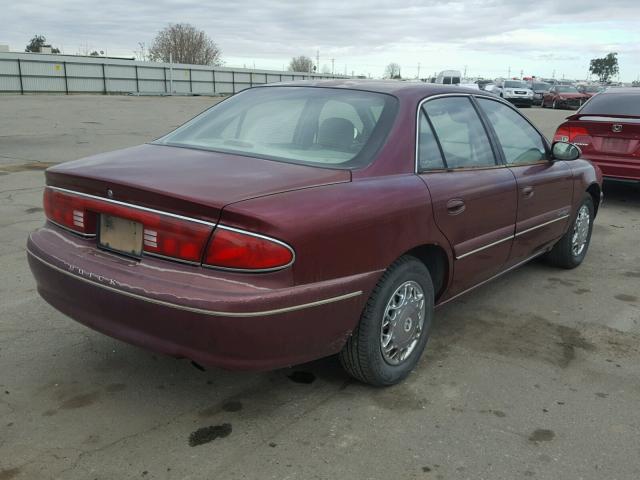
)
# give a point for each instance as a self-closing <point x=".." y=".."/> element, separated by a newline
<point x="626" y="90"/>
<point x="393" y="87"/>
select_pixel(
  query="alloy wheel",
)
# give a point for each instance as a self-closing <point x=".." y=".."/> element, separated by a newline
<point x="403" y="322"/>
<point x="580" y="231"/>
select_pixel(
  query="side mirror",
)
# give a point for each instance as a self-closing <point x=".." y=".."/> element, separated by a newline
<point x="565" y="151"/>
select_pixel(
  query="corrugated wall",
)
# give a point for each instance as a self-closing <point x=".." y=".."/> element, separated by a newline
<point x="66" y="74"/>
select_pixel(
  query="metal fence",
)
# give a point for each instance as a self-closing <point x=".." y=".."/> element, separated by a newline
<point x="66" y="74"/>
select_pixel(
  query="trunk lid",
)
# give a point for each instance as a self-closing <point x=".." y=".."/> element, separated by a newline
<point x="185" y="181"/>
<point x="606" y="135"/>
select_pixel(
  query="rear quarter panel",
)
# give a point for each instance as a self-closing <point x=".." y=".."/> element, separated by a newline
<point x="344" y="229"/>
<point x="585" y="175"/>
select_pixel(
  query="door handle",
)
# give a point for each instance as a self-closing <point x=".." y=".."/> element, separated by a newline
<point x="456" y="206"/>
<point x="527" y="192"/>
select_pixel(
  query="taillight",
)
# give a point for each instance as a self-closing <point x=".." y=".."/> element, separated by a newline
<point x="239" y="250"/>
<point x="566" y="133"/>
<point x="69" y="211"/>
<point x="164" y="234"/>
<point x="562" y="134"/>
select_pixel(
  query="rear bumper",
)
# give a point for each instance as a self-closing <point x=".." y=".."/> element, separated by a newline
<point x="213" y="318"/>
<point x="618" y="168"/>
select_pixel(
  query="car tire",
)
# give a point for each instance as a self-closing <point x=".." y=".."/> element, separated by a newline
<point x="554" y="105"/>
<point x="362" y="356"/>
<point x="571" y="249"/>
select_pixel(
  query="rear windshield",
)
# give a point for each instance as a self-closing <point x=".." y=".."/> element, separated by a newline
<point x="510" y="84"/>
<point x="613" y="104"/>
<point x="329" y="127"/>
<point x="541" y="86"/>
<point x="566" y="89"/>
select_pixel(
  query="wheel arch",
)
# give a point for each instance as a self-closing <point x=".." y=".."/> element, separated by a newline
<point x="435" y="258"/>
<point x="595" y="192"/>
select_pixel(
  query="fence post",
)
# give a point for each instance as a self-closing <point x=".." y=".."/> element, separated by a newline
<point x="190" y="82"/>
<point x="20" y="76"/>
<point x="164" y="71"/>
<point x="137" y="82"/>
<point x="66" y="81"/>
<point x="233" y="82"/>
<point x="104" y="78"/>
<point x="214" y="80"/>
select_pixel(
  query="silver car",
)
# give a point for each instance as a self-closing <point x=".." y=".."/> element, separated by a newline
<point x="515" y="91"/>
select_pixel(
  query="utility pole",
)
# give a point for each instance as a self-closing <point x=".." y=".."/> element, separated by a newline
<point x="521" y="74"/>
<point x="345" y="70"/>
<point x="465" y="72"/>
<point x="509" y="72"/>
<point x="333" y="63"/>
<point x="318" y="61"/>
<point x="418" y="75"/>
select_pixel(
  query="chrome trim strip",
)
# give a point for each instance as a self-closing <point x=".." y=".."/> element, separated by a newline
<point x="201" y="311"/>
<point x="85" y="235"/>
<point x="512" y="237"/>
<point x="528" y="259"/>
<point x="253" y="270"/>
<point x="485" y="247"/>
<point x="131" y="205"/>
<point x="541" y="225"/>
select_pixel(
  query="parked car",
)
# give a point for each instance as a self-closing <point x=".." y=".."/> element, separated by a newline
<point x="514" y="91"/>
<point x="563" y="96"/>
<point x="539" y="89"/>
<point x="590" y="90"/>
<point x="449" y="77"/>
<point x="295" y="221"/>
<point x="607" y="129"/>
<point x="483" y="83"/>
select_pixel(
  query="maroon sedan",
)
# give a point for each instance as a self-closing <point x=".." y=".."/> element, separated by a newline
<point x="295" y="221"/>
<point x="563" y="96"/>
<point x="607" y="129"/>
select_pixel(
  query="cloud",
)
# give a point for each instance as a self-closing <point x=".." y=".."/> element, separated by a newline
<point x="363" y="33"/>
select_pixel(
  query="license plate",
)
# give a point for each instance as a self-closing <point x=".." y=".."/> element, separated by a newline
<point x="120" y="235"/>
<point x="615" y="145"/>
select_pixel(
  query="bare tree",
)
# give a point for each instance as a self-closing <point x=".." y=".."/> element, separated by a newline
<point x="392" y="71"/>
<point x="183" y="43"/>
<point x="301" y="64"/>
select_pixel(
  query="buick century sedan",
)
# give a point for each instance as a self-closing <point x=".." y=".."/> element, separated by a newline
<point x="295" y="221"/>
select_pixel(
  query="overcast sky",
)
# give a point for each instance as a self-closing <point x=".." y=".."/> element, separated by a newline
<point x="539" y="37"/>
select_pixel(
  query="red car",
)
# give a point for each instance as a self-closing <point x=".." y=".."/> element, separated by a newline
<point x="563" y="96"/>
<point x="590" y="90"/>
<point x="607" y="129"/>
<point x="295" y="221"/>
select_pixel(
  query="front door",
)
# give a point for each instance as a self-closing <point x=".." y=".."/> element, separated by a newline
<point x="545" y="188"/>
<point x="474" y="197"/>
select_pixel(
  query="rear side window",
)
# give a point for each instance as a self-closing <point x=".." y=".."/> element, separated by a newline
<point x="520" y="142"/>
<point x="461" y="134"/>
<point x="613" y="104"/>
<point x="429" y="157"/>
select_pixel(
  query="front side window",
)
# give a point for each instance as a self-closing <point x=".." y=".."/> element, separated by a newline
<point x="329" y="127"/>
<point x="520" y="142"/>
<point x="461" y="134"/>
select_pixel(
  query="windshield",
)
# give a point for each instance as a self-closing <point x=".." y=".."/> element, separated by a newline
<point x="510" y="84"/>
<point x="330" y="127"/>
<point x="613" y="104"/>
<point x="566" y="89"/>
<point x="541" y="86"/>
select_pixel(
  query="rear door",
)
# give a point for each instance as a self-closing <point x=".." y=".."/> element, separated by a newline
<point x="473" y="196"/>
<point x="545" y="189"/>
